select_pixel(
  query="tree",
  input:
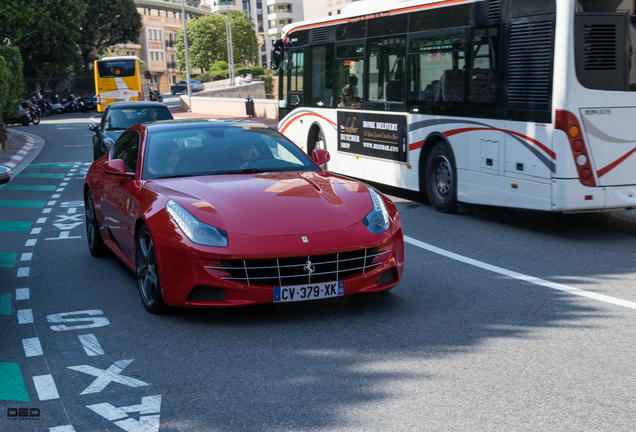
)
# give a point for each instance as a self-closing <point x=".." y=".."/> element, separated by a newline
<point x="107" y="23"/>
<point x="207" y="41"/>
<point x="244" y="42"/>
<point x="45" y="32"/>
<point x="10" y="87"/>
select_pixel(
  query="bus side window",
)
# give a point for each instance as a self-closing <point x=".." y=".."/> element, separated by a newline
<point x="386" y="64"/>
<point x="482" y="97"/>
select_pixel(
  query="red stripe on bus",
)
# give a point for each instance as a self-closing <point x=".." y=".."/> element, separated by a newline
<point x="614" y="164"/>
<point x="303" y="115"/>
<point x="532" y="140"/>
<point x="415" y="146"/>
<point x="402" y="10"/>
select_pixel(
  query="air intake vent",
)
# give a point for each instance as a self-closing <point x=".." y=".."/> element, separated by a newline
<point x="600" y="47"/>
<point x="494" y="10"/>
<point x="530" y="63"/>
<point x="319" y="35"/>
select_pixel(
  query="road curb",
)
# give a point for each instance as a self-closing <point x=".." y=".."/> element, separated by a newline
<point x="22" y="152"/>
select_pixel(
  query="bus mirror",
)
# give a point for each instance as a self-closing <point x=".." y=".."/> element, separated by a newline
<point x="277" y="54"/>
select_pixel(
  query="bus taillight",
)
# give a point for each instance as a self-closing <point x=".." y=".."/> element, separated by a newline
<point x="98" y="100"/>
<point x="568" y="123"/>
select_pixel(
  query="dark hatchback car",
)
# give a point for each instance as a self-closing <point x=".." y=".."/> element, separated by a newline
<point x="120" y="116"/>
<point x="182" y="86"/>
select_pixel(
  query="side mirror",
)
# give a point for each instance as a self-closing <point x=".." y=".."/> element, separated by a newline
<point x="93" y="127"/>
<point x="320" y="156"/>
<point x="116" y="167"/>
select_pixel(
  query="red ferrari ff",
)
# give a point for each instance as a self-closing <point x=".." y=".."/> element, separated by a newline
<point x="213" y="213"/>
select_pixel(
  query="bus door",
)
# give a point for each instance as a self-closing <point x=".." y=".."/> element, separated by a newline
<point x="292" y="82"/>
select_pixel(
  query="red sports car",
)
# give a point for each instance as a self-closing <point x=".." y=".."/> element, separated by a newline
<point x="213" y="213"/>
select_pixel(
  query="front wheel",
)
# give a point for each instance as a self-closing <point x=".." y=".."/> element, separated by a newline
<point x="148" y="274"/>
<point x="441" y="179"/>
<point x="24" y="121"/>
<point x="96" y="245"/>
<point x="35" y="119"/>
<point x="159" y="98"/>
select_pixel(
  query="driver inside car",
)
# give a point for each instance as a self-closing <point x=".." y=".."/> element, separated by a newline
<point x="243" y="154"/>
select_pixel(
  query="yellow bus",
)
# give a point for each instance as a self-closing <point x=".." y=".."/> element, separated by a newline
<point x="120" y="79"/>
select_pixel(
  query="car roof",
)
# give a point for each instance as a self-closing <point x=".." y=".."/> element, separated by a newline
<point x="169" y="125"/>
<point x="135" y="104"/>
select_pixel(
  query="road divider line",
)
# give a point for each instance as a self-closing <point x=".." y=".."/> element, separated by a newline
<point x="45" y="387"/>
<point x="520" y="276"/>
<point x="25" y="316"/>
<point x="32" y="347"/>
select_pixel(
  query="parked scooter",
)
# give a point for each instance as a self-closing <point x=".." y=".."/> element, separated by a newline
<point x="56" y="105"/>
<point x="22" y="117"/>
<point x="70" y="105"/>
<point x="45" y="107"/>
<point x="155" y="96"/>
<point x="33" y="111"/>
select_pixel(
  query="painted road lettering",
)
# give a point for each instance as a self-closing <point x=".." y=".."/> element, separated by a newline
<point x="105" y="377"/>
<point x="148" y="409"/>
<point x="69" y="317"/>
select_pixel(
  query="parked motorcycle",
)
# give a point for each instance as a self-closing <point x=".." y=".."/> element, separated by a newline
<point x="155" y="96"/>
<point x="45" y="107"/>
<point x="70" y="105"/>
<point x="56" y="105"/>
<point x="33" y="111"/>
<point x="22" y="117"/>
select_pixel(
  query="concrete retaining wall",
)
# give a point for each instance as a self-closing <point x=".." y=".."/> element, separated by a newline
<point x="264" y="108"/>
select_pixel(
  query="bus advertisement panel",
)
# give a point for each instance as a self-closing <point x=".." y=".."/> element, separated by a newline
<point x="120" y="79"/>
<point x="374" y="135"/>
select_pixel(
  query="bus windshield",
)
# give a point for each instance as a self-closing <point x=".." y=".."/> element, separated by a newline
<point x="116" y="68"/>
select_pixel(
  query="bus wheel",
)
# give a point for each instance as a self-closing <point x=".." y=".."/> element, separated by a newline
<point x="441" y="179"/>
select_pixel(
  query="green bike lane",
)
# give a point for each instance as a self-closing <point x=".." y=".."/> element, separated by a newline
<point x="28" y="207"/>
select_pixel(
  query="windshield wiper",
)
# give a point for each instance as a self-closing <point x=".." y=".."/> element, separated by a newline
<point x="175" y="176"/>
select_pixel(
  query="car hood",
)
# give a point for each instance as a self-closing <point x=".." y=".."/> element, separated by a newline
<point x="265" y="204"/>
<point x="113" y="134"/>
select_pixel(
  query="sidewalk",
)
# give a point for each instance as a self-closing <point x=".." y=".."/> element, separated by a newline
<point x="178" y="113"/>
<point x="20" y="144"/>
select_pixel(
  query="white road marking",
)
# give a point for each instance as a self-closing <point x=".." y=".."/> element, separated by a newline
<point x="64" y="235"/>
<point x="55" y="196"/>
<point x="47" y="210"/>
<point x="32" y="347"/>
<point x="23" y="271"/>
<point x="45" y="386"/>
<point x="105" y="377"/>
<point x="51" y="203"/>
<point x="67" y="428"/>
<point x="520" y="276"/>
<point x="59" y="189"/>
<point x="25" y="316"/>
<point x="64" y="184"/>
<point x="26" y="256"/>
<point x="91" y="345"/>
<point x="31" y="242"/>
<point x="35" y="231"/>
<point x="41" y="220"/>
<point x="146" y="423"/>
<point x="22" y="294"/>
<point x="72" y="210"/>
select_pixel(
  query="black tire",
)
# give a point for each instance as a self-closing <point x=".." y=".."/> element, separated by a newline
<point x="173" y="92"/>
<point x="148" y="274"/>
<point x="35" y="119"/>
<point x="96" y="245"/>
<point x="441" y="179"/>
<point x="159" y="98"/>
<point x="24" y="121"/>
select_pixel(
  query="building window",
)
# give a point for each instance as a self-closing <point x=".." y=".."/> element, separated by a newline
<point x="154" y="35"/>
<point x="156" y="55"/>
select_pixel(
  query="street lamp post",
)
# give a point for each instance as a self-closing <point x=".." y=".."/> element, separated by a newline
<point x="230" y="50"/>
<point x="185" y="42"/>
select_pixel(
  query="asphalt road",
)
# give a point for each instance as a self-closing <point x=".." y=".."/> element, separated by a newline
<point x="504" y="321"/>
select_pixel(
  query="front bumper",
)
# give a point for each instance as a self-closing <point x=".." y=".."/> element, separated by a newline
<point x="190" y="277"/>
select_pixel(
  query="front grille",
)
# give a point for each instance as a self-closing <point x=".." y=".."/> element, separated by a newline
<point x="296" y="270"/>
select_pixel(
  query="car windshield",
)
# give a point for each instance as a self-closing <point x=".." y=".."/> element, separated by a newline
<point x="216" y="151"/>
<point x="122" y="119"/>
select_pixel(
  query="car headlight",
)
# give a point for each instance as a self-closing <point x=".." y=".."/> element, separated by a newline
<point x="194" y="229"/>
<point x="377" y="221"/>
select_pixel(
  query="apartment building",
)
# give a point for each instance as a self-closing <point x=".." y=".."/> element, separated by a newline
<point x="323" y="8"/>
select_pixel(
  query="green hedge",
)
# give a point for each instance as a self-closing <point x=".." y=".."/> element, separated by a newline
<point x="11" y="81"/>
<point x="257" y="71"/>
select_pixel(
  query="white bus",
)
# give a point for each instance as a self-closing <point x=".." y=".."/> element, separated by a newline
<point x="527" y="104"/>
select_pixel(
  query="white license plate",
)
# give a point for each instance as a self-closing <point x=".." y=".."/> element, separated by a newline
<point x="308" y="292"/>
